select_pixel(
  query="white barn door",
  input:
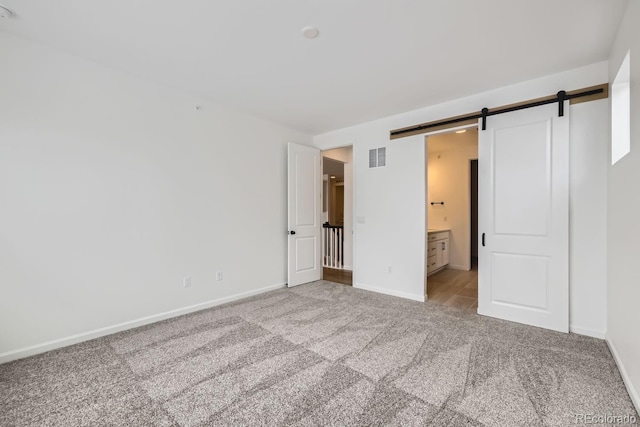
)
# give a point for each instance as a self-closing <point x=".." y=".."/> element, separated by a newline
<point x="523" y="161"/>
<point x="304" y="182"/>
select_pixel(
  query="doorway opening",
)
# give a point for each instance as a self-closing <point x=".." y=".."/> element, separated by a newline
<point x="337" y="215"/>
<point x="452" y="219"/>
<point x="473" y="176"/>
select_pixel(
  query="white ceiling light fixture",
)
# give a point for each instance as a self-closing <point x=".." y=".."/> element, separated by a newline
<point x="310" y="32"/>
<point x="5" y="12"/>
<point x="461" y="131"/>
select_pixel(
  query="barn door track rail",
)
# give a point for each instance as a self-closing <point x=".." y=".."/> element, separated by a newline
<point x="574" y="97"/>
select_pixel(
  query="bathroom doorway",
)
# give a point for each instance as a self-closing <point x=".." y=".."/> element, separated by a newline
<point x="473" y="176"/>
<point x="452" y="219"/>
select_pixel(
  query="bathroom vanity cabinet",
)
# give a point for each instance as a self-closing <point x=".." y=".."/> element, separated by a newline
<point x="437" y="250"/>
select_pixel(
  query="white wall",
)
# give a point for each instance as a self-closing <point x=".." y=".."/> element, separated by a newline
<point x="392" y="199"/>
<point x="345" y="155"/>
<point x="112" y="189"/>
<point x="449" y="181"/>
<point x="589" y="139"/>
<point x="623" y="237"/>
<point x="386" y="211"/>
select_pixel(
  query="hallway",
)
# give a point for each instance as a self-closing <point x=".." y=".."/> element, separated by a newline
<point x="338" y="276"/>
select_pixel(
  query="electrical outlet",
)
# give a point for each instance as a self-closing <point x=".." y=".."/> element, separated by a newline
<point x="219" y="276"/>
<point x="186" y="281"/>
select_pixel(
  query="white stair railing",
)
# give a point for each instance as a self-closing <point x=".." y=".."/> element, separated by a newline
<point x="332" y="246"/>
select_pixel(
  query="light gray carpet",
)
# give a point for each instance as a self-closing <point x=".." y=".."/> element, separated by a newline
<point x="318" y="354"/>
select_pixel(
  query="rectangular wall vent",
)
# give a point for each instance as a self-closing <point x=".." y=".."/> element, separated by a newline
<point x="382" y="156"/>
<point x="373" y="158"/>
<point x="378" y="157"/>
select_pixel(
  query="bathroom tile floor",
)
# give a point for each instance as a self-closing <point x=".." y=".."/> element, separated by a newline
<point x="454" y="288"/>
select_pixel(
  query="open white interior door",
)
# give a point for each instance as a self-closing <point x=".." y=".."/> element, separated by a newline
<point x="523" y="161"/>
<point x="304" y="184"/>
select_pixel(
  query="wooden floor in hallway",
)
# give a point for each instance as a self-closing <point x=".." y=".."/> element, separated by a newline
<point x="454" y="288"/>
<point x="338" y="276"/>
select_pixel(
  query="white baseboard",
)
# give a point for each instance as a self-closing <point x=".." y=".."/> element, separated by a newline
<point x="406" y="295"/>
<point x="458" y="267"/>
<point x="586" y="331"/>
<point x="96" y="333"/>
<point x="633" y="394"/>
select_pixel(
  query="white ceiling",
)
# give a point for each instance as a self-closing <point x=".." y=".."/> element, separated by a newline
<point x="373" y="58"/>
